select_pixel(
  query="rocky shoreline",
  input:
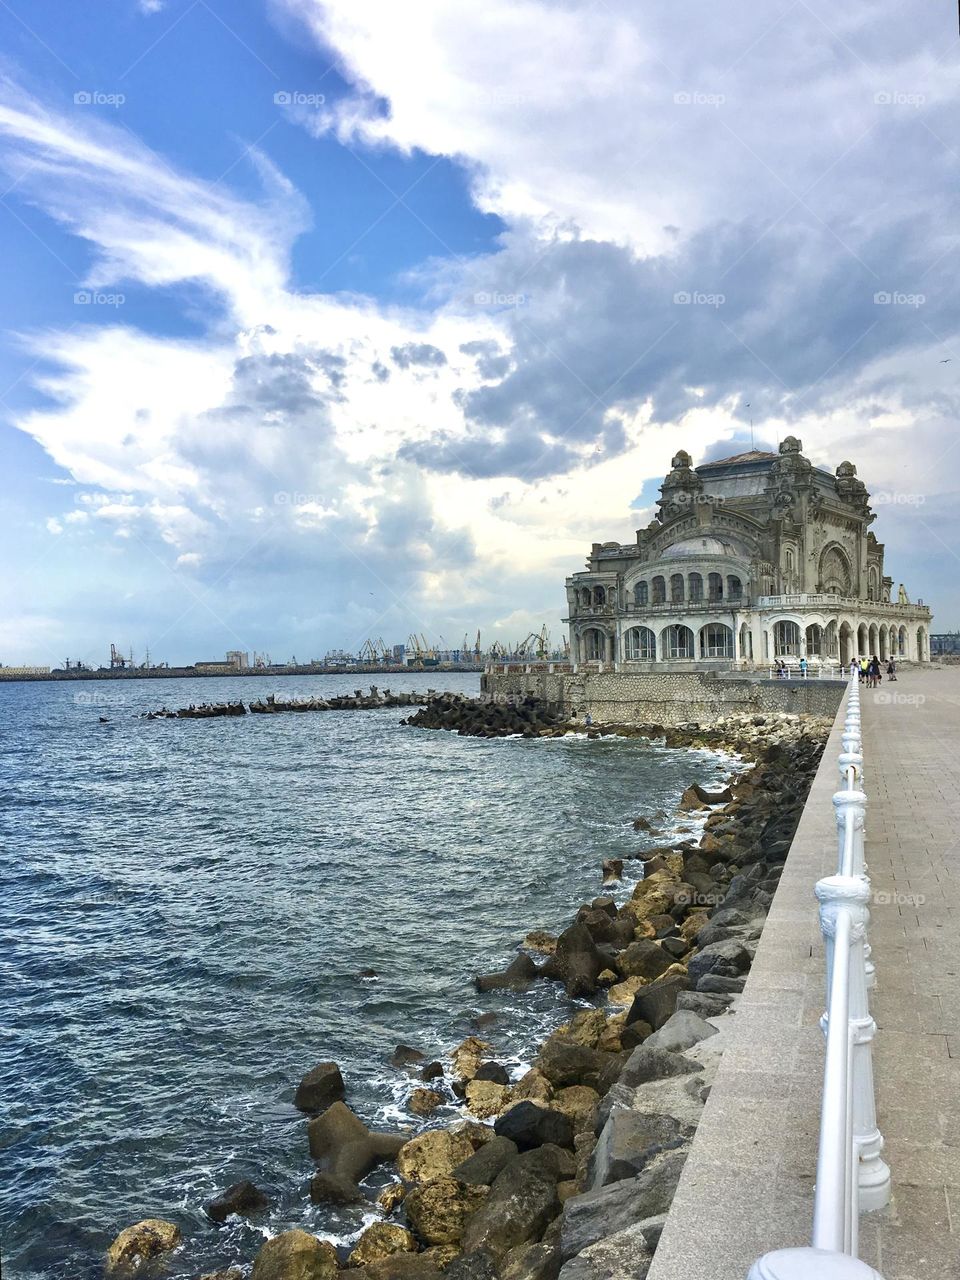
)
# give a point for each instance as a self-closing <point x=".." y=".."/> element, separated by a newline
<point x="569" y="1170"/>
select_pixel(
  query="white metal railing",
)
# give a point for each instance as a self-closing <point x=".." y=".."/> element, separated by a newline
<point x="851" y="1176"/>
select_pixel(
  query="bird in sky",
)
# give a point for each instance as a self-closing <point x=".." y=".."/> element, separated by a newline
<point x="947" y="361"/>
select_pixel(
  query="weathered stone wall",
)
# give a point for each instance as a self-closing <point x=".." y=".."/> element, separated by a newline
<point x="668" y="698"/>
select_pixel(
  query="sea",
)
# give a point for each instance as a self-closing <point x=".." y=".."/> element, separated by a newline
<point x="187" y="910"/>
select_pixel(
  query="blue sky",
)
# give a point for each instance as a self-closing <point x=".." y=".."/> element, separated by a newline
<point x="326" y="320"/>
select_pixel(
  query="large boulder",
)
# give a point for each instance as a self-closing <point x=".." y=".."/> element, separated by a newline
<point x="380" y="1241"/>
<point x="320" y="1087"/>
<point x="534" y="1261"/>
<point x="533" y="1084"/>
<point x="493" y="1071"/>
<point x="627" y="1255"/>
<point x="482" y="1167"/>
<point x="438" y="1210"/>
<point x="529" y="1125"/>
<point x="423" y="1102"/>
<point x="628" y="1142"/>
<point x="468" y="1058"/>
<point x="144" y="1240"/>
<point x="681" y="1031"/>
<point x="478" y="1265"/>
<point x="522" y="1201"/>
<point x="564" y="1062"/>
<point x="518" y="975"/>
<point x="596" y="1215"/>
<point x="576" y="962"/>
<point x="345" y="1148"/>
<point x="646" y="1064"/>
<point x="655" y="1003"/>
<point x="295" y="1255"/>
<point x="404" y="1266"/>
<point x="486" y="1098"/>
<point x="242" y="1199"/>
<point x="434" y="1154"/>
<point x="577" y="1102"/>
<point x="643" y="959"/>
<point x="727" y="959"/>
<point x="702" y="1002"/>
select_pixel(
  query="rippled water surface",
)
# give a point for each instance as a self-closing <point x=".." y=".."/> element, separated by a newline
<point x="186" y="910"/>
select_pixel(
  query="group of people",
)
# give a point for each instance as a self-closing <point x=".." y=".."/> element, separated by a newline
<point x="869" y="671"/>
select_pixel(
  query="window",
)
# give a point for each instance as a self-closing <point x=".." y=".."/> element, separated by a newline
<point x="585" y="597"/>
<point x="677" y="642"/>
<point x="676" y="588"/>
<point x="734" y="588"/>
<point x="640" y="645"/>
<point x="715" y="586"/>
<point x="599" y="597"/>
<point x="786" y="639"/>
<point x="594" y="645"/>
<point x="659" y="591"/>
<point x="814" y="641"/>
<point x="695" y="587"/>
<point x="641" y="593"/>
<point x="716" y="641"/>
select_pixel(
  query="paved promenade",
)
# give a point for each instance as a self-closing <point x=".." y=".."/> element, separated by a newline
<point x="748" y="1184"/>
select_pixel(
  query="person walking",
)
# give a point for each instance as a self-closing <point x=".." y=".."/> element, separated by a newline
<point x="891" y="670"/>
<point x="864" y="666"/>
<point x="803" y="668"/>
<point x="854" y="667"/>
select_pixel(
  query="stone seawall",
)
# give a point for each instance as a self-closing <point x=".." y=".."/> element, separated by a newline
<point x="668" y="698"/>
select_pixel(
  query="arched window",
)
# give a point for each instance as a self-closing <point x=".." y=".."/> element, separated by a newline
<point x="659" y="591"/>
<point x="586" y="596"/>
<point x="716" y="641"/>
<point x="830" y="642"/>
<point x="599" y="597"/>
<point x="594" y="645"/>
<point x="786" y="639"/>
<point x="746" y="642"/>
<point x="874" y="640"/>
<point x="814" y="641"/>
<point x="641" y="593"/>
<point x="640" y="645"/>
<point x="677" y="642"/>
<point x="676" y="588"/>
<point x="789" y="564"/>
<point x="863" y="641"/>
<point x="734" y="588"/>
<point x="902" y="642"/>
<point x="715" y="586"/>
<point x="695" y="587"/>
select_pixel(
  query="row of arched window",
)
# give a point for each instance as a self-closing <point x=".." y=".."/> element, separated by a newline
<point x="678" y="589"/>
<point x="716" y="640"/>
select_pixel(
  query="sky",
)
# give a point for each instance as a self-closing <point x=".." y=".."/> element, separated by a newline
<point x="328" y="320"/>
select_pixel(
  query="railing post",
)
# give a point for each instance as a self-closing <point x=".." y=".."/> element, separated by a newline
<point x="810" y="1264"/>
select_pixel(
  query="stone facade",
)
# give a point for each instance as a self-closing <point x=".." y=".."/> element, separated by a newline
<point x="750" y="560"/>
<point x="660" y="696"/>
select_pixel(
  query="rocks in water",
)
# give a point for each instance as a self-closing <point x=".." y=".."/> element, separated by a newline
<point x="486" y="1098"/>
<point x="576" y="962"/>
<point x="727" y="959"/>
<point x="320" y="1087"/>
<point x="517" y="976"/>
<point x="406" y="1056"/>
<point x="533" y="1085"/>
<point x="522" y="1201"/>
<point x="528" y="716"/>
<point x="482" y="1167"/>
<point x="432" y="1071"/>
<point x="380" y="1241"/>
<point x="438" y="1210"/>
<point x="295" y="1255"/>
<point x="140" y="1242"/>
<point x="468" y="1057"/>
<point x="242" y="1199"/>
<point x="434" y="1154"/>
<point x="628" y="1142"/>
<point x="595" y="1215"/>
<point x="391" y="1196"/>
<point x="346" y="1150"/>
<point x="612" y="870"/>
<point x="492" y="1071"/>
<point x="681" y="1031"/>
<point x="563" y="1062"/>
<point x="530" y="1125"/>
<point x="655" y="1003"/>
<point x="540" y="940"/>
<point x="423" y="1102"/>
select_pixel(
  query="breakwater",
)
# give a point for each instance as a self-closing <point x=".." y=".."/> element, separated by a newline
<point x="375" y="700"/>
<point x="566" y="1167"/>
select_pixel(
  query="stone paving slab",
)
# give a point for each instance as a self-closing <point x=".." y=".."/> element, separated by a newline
<point x="748" y="1184"/>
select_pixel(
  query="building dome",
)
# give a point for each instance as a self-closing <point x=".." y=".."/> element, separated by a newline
<point x="702" y="546"/>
